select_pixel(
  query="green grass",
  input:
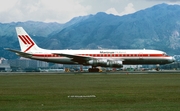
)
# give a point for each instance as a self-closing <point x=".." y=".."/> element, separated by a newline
<point x="138" y="92"/>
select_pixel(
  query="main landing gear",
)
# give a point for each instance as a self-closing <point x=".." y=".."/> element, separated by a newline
<point x="93" y="69"/>
<point x="157" y="67"/>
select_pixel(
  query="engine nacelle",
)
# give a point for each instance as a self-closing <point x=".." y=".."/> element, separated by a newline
<point x="98" y="62"/>
<point x="115" y="64"/>
<point x="105" y="63"/>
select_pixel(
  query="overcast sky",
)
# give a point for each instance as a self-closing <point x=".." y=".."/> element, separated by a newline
<point x="62" y="11"/>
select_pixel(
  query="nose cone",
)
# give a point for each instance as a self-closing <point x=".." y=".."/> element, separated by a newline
<point x="173" y="59"/>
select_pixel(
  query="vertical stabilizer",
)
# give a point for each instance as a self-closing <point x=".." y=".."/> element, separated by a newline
<point x="25" y="41"/>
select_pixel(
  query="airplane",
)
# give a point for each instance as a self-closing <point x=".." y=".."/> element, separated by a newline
<point x="94" y="58"/>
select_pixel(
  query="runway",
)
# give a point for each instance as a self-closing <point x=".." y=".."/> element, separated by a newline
<point x="134" y="72"/>
<point x="116" y="72"/>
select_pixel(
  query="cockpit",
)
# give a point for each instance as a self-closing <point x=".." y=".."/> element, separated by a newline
<point x="165" y="54"/>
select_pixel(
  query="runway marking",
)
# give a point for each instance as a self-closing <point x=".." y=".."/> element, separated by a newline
<point x="81" y="96"/>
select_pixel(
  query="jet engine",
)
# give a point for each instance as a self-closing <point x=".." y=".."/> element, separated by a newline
<point x="105" y="63"/>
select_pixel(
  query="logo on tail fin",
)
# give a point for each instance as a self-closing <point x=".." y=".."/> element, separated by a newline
<point x="27" y="41"/>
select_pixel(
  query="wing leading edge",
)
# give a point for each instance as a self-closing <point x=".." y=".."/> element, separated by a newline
<point x="76" y="58"/>
<point x="94" y="62"/>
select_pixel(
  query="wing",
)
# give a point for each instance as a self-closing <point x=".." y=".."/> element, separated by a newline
<point x="23" y="54"/>
<point x="76" y="58"/>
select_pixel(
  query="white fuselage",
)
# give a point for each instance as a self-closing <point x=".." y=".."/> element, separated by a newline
<point x="94" y="58"/>
<point x="126" y="56"/>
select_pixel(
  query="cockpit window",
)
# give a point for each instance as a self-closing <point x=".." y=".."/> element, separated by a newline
<point x="165" y="54"/>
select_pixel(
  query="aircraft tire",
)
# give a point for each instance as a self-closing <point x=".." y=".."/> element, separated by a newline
<point x="93" y="70"/>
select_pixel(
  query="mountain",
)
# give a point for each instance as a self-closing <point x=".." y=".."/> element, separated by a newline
<point x="157" y="27"/>
<point x="153" y="28"/>
<point x="38" y="31"/>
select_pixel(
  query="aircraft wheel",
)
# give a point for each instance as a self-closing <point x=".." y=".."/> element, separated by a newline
<point x="93" y="70"/>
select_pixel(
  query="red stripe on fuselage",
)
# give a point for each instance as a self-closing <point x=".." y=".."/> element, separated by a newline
<point x="106" y="55"/>
<point x="124" y="55"/>
<point x="46" y="55"/>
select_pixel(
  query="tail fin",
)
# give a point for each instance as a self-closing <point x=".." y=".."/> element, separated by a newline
<point x="25" y="41"/>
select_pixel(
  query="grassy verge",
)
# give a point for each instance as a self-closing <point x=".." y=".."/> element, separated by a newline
<point x="157" y="92"/>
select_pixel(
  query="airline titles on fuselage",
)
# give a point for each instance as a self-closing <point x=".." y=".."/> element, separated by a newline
<point x="111" y="52"/>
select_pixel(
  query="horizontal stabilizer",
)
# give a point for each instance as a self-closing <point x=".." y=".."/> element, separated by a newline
<point x="19" y="52"/>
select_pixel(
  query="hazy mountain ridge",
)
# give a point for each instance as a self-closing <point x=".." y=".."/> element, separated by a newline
<point x="157" y="27"/>
<point x="38" y="31"/>
<point x="153" y="28"/>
